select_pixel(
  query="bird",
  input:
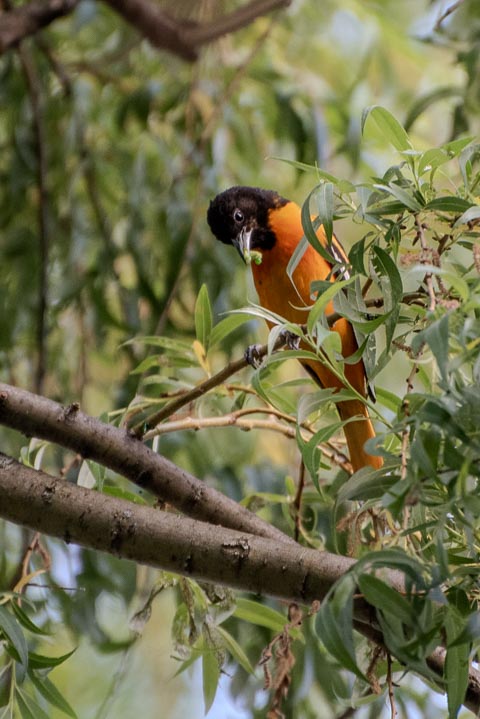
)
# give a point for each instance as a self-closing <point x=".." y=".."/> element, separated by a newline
<point x="266" y="227"/>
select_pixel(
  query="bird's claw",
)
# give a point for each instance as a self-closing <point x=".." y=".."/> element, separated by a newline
<point x="253" y="356"/>
<point x="291" y="340"/>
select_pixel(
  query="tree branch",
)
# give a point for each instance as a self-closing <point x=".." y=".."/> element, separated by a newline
<point x="201" y="389"/>
<point x="243" y="16"/>
<point x="163" y="31"/>
<point x="28" y="19"/>
<point x="161" y="539"/>
<point x="120" y="451"/>
<point x="239" y="419"/>
<point x="180" y="37"/>
<point x="184" y="38"/>
<point x="188" y="547"/>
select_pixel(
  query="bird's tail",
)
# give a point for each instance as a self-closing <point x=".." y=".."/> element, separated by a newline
<point x="357" y="432"/>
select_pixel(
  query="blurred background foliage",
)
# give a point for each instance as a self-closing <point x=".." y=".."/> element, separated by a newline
<point x="135" y="143"/>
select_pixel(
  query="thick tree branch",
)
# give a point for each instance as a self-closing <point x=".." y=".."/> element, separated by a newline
<point x="28" y="19"/>
<point x="161" y="539"/>
<point x="156" y="25"/>
<point x="188" y="547"/>
<point x="119" y="450"/>
<point x="182" y="38"/>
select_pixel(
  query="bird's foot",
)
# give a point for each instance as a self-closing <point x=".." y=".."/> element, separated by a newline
<point x="253" y="356"/>
<point x="291" y="340"/>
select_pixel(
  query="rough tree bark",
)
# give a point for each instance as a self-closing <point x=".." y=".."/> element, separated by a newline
<point x="262" y="560"/>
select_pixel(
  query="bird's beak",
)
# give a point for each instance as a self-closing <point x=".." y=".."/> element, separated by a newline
<point x="242" y="244"/>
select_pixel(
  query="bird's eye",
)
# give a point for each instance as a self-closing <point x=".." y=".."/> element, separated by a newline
<point x="238" y="215"/>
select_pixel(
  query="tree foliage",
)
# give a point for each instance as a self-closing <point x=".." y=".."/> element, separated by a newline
<point x="115" y="296"/>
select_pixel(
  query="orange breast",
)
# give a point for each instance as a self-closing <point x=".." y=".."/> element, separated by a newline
<point x="291" y="300"/>
<point x="276" y="291"/>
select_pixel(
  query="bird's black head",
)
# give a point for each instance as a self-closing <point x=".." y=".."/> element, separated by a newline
<point x="239" y="217"/>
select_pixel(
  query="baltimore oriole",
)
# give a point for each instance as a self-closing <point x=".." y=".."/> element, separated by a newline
<point x="269" y="226"/>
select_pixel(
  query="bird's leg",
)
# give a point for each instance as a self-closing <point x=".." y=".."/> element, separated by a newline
<point x="254" y="354"/>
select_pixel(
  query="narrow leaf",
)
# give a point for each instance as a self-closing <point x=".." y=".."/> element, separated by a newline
<point x="337" y="638"/>
<point x="386" y="599"/>
<point x="389" y="127"/>
<point x="50" y="692"/>
<point x="12" y="632"/>
<point x="235" y="650"/>
<point x="226" y="326"/>
<point x="259" y="614"/>
<point x="211" y="675"/>
<point x="203" y="317"/>
<point x="325" y="206"/>
<point x="456" y="664"/>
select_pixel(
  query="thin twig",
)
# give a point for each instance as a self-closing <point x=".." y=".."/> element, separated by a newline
<point x="406" y="412"/>
<point x="225" y="420"/>
<point x="447" y="12"/>
<point x="391" y="693"/>
<point x="428" y="276"/>
<point x="297" y="502"/>
<point x="198" y="391"/>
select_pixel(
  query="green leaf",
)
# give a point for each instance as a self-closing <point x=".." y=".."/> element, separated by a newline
<point x="297" y="255"/>
<point x="425" y="450"/>
<point x="389" y="127"/>
<point x="337" y="636"/>
<point x="311" y="234"/>
<point x="424" y="102"/>
<point x="40" y="661"/>
<point x="146" y="364"/>
<point x="455" y="147"/>
<point x="343" y="185"/>
<point x="324" y="299"/>
<point x="431" y="159"/>
<point x="226" y="326"/>
<point x="325" y="204"/>
<point x="311" y="450"/>
<point x="235" y="650"/>
<point x="203" y="317"/>
<point x="402" y="195"/>
<point x="473" y="213"/>
<point x="26" y="622"/>
<point x="471" y="631"/>
<point x="10" y="628"/>
<point x="121" y="493"/>
<point x="436" y="336"/>
<point x="356" y="257"/>
<point x="456" y="664"/>
<point x="392" y="289"/>
<point x="448" y="203"/>
<point x="393" y="559"/>
<point x="386" y="599"/>
<point x="50" y="692"/>
<point x="259" y="614"/>
<point x="367" y="483"/>
<point x="211" y="675"/>
<point x="29" y="709"/>
<point x="388" y="399"/>
<point x="166" y="343"/>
